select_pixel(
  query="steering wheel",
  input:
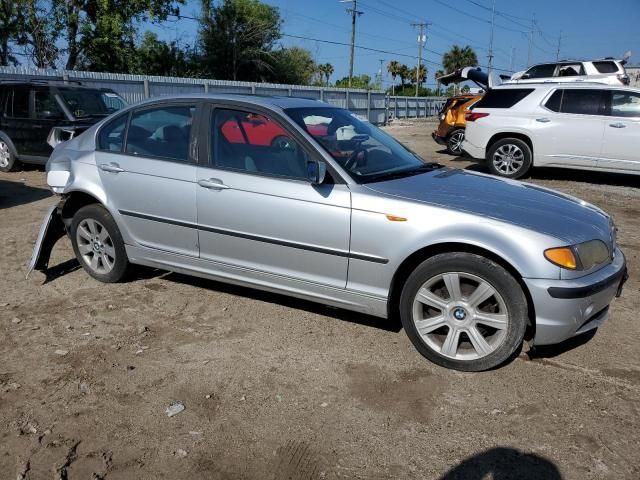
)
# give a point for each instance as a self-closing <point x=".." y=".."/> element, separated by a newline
<point x="283" y="143"/>
<point x="357" y="158"/>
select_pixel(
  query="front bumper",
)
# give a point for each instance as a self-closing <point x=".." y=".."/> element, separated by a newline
<point x="566" y="308"/>
<point x="438" y="139"/>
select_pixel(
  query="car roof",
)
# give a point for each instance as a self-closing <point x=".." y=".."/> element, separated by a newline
<point x="262" y="100"/>
<point x="566" y="84"/>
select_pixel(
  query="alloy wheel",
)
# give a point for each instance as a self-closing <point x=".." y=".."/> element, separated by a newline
<point x="455" y="142"/>
<point x="95" y="246"/>
<point x="508" y="159"/>
<point x="460" y="316"/>
<point x="5" y="155"/>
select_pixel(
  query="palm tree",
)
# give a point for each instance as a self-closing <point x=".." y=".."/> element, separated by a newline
<point x="326" y="69"/>
<point x="394" y="69"/>
<point x="404" y="72"/>
<point x="437" y="75"/>
<point x="459" y="57"/>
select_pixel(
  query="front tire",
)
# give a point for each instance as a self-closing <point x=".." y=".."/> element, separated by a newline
<point x="510" y="158"/>
<point x="463" y="311"/>
<point x="454" y="141"/>
<point x="98" y="244"/>
<point x="8" y="160"/>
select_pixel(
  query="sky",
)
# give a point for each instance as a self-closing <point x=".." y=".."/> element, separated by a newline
<point x="589" y="29"/>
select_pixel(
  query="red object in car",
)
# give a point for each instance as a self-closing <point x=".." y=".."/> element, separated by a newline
<point x="259" y="130"/>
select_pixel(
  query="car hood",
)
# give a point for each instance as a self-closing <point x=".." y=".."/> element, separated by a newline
<point x="536" y="208"/>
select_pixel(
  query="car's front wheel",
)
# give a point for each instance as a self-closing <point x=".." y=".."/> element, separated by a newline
<point x="98" y="244"/>
<point x="8" y="160"/>
<point x="510" y="157"/>
<point x="454" y="141"/>
<point x="463" y="311"/>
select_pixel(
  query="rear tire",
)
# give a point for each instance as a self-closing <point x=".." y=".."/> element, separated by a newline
<point x="98" y="244"/>
<point x="463" y="311"/>
<point x="510" y="158"/>
<point x="8" y="162"/>
<point x="454" y="141"/>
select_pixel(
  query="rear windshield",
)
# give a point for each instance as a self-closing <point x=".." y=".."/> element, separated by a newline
<point x="506" y="98"/>
<point x="87" y="103"/>
<point x="606" y="67"/>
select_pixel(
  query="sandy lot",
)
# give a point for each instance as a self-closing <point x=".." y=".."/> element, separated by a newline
<point x="276" y="388"/>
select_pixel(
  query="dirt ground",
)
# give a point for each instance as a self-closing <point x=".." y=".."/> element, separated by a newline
<point x="276" y="388"/>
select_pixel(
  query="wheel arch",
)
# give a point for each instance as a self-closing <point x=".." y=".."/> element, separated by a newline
<point x="74" y="201"/>
<point x="520" y="136"/>
<point x="409" y="264"/>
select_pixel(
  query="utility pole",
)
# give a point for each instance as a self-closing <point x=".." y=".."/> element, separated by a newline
<point x="354" y="14"/>
<point x="533" y="26"/>
<point x="493" y="18"/>
<point x="381" y="60"/>
<point x="422" y="39"/>
<point x="512" y="64"/>
<point x="559" y="42"/>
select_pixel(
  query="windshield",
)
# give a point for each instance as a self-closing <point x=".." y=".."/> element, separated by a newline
<point x="365" y="151"/>
<point x="87" y="103"/>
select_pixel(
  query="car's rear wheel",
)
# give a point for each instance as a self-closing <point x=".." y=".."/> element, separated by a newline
<point x="8" y="160"/>
<point x="509" y="157"/>
<point x="454" y="141"/>
<point x="463" y="311"/>
<point x="98" y="244"/>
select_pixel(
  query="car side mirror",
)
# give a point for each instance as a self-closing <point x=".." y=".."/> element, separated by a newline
<point x="316" y="171"/>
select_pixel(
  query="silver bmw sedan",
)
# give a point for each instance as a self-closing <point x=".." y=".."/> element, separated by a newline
<point x="299" y="197"/>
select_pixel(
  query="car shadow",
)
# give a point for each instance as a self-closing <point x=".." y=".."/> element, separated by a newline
<point x="550" y="351"/>
<point x="566" y="174"/>
<point x="13" y="194"/>
<point x="503" y="463"/>
<point x="390" y="325"/>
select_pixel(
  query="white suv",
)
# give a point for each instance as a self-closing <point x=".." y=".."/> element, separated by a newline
<point x="607" y="70"/>
<point x="587" y="126"/>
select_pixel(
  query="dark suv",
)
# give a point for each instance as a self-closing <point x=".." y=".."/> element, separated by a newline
<point x="30" y="110"/>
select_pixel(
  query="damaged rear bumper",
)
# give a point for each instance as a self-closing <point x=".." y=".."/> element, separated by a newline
<point x="52" y="229"/>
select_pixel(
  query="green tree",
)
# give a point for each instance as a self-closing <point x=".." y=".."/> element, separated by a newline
<point x="358" y="81"/>
<point x="237" y="38"/>
<point x="155" y="57"/>
<point x="326" y="69"/>
<point x="394" y="69"/>
<point x="100" y="34"/>
<point x="9" y="30"/>
<point x="293" y="65"/>
<point x="39" y="32"/>
<point x="459" y="57"/>
<point x="423" y="74"/>
<point x="404" y="73"/>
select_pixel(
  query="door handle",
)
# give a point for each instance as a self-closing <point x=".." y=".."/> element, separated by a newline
<point x="111" y="167"/>
<point x="617" y="125"/>
<point x="213" y="184"/>
<point x="543" y="120"/>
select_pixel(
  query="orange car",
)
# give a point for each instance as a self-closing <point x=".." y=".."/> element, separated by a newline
<point x="450" y="132"/>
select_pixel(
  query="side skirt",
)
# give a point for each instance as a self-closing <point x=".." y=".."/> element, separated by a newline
<point x="245" y="277"/>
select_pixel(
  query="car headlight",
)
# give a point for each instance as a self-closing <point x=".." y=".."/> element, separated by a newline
<point x="583" y="256"/>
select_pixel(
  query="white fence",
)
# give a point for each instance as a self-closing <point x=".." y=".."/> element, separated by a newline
<point x="372" y="104"/>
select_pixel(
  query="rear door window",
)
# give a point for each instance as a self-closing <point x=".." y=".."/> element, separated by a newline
<point x="161" y="132"/>
<point x="583" y="101"/>
<point x="111" y="136"/>
<point x="503" y="98"/>
<point x="606" y="66"/>
<point x="19" y="103"/>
